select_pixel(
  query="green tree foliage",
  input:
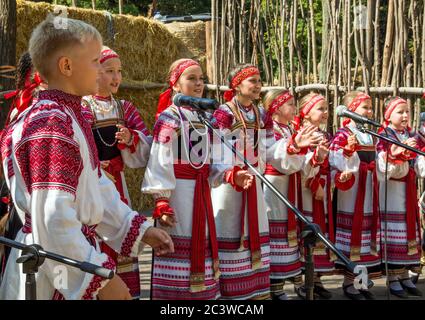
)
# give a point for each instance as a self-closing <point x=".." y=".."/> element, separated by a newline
<point x="185" y="7"/>
<point x="141" y="7"/>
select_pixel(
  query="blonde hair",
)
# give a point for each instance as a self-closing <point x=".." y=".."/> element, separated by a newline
<point x="271" y="95"/>
<point x="349" y="97"/>
<point x="52" y="36"/>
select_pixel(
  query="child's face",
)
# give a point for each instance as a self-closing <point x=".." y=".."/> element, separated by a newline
<point x="318" y="114"/>
<point x="400" y="117"/>
<point x="191" y="82"/>
<point x="110" y="76"/>
<point x="365" y="109"/>
<point x="287" y="110"/>
<point x="250" y="88"/>
<point x="86" y="68"/>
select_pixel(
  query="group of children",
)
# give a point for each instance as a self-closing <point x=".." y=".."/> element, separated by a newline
<point x="221" y="234"/>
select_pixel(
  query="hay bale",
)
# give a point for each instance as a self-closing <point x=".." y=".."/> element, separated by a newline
<point x="193" y="36"/>
<point x="146" y="47"/>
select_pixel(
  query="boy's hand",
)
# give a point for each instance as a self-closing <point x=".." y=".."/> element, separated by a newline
<point x="115" y="289"/>
<point x="159" y="240"/>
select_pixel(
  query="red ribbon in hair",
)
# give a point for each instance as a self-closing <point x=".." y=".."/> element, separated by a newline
<point x="279" y="101"/>
<point x="242" y="75"/>
<point x="165" y="98"/>
<point x="23" y="97"/>
<point x="357" y="101"/>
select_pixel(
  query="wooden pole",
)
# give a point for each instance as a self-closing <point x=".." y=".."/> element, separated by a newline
<point x="120" y="5"/>
<point x="7" y="49"/>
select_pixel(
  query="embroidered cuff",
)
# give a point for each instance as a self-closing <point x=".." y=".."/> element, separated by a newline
<point x="348" y="152"/>
<point x="314" y="161"/>
<point x="162" y="206"/>
<point x="130" y="245"/>
<point x="229" y="177"/>
<point x="97" y="282"/>
<point x="131" y="145"/>
<point x="292" y="146"/>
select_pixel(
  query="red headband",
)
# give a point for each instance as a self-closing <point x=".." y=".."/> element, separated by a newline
<point x="242" y="75"/>
<point x="310" y="104"/>
<point x="107" y="54"/>
<point x="165" y="97"/>
<point x="279" y="101"/>
<point x="357" y="101"/>
<point x="391" y="107"/>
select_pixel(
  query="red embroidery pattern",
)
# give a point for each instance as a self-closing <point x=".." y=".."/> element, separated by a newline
<point x="132" y="235"/>
<point x="73" y="105"/>
<point x="95" y="283"/>
<point x="223" y="119"/>
<point x="47" y="155"/>
<point x="166" y="126"/>
<point x="133" y="119"/>
<point x="244" y="74"/>
<point x="178" y="71"/>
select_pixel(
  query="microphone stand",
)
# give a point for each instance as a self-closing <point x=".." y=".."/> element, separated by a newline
<point x="311" y="232"/>
<point x="33" y="257"/>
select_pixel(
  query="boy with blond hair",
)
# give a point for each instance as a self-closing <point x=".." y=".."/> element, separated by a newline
<point x="52" y="169"/>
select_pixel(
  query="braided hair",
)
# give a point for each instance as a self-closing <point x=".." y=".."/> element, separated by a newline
<point x="24" y="66"/>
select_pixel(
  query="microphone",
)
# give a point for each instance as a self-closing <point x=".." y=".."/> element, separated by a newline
<point x="198" y="103"/>
<point x="342" y="111"/>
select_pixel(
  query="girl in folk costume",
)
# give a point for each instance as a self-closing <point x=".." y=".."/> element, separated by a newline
<point x="352" y="158"/>
<point x="400" y="225"/>
<point x="316" y="188"/>
<point x="121" y="139"/>
<point x="284" y="251"/>
<point x="177" y="177"/>
<point x="240" y="213"/>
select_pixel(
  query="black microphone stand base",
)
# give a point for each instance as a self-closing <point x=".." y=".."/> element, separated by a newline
<point x="31" y="261"/>
<point x="309" y="236"/>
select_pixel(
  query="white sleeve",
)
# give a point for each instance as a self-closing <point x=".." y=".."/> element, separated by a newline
<point x="222" y="159"/>
<point x="396" y="171"/>
<point x="159" y="177"/>
<point x="56" y="227"/>
<point x="121" y="228"/>
<point x="420" y="166"/>
<point x="342" y="163"/>
<point x="280" y="159"/>
<point x="308" y="170"/>
<point x="137" y="156"/>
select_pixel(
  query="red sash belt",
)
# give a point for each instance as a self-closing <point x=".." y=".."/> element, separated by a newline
<point x="293" y="187"/>
<point x="116" y="166"/>
<point x="202" y="214"/>
<point x="249" y="197"/>
<point x="358" y="215"/>
<point x="319" y="215"/>
<point x="412" y="211"/>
